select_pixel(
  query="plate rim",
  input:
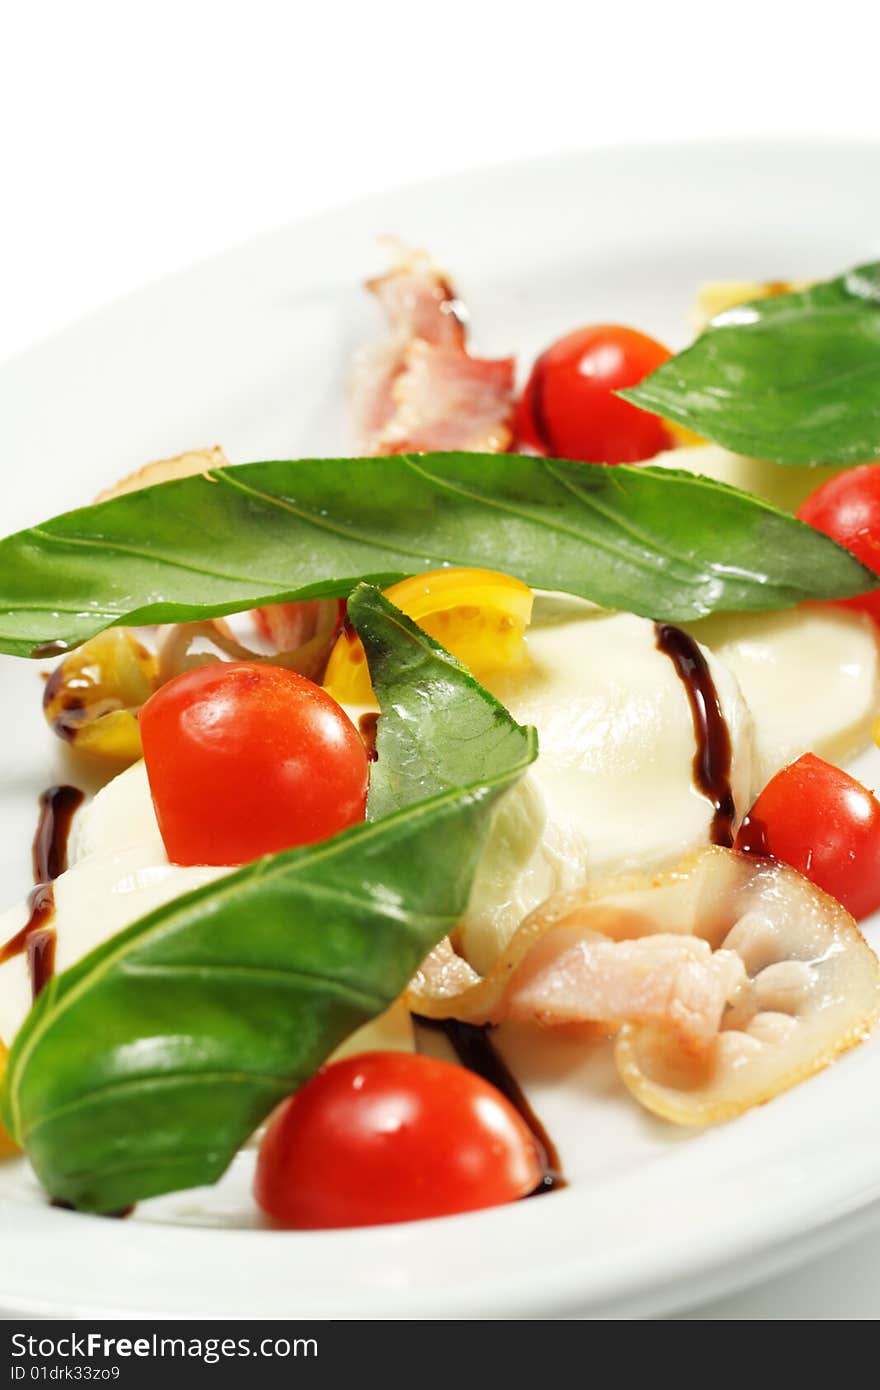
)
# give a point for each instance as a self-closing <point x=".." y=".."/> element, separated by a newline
<point x="772" y="146"/>
<point x="788" y="1244"/>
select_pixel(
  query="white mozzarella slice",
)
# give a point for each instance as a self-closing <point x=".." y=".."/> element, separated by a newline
<point x="530" y="854"/>
<point x="94" y="899"/>
<point x="810" y="676"/>
<point x="616" y="735"/>
<point x="613" y="787"/>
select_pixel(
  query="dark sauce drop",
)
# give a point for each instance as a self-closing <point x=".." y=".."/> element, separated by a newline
<point x="47" y="649"/>
<point x="118" y="1215"/>
<point x="713" y="756"/>
<point x="474" y="1049"/>
<point x="58" y="805"/>
<point x="368" y="726"/>
<point x="540" y="422"/>
<point x="41" y="950"/>
<point x="752" y="838"/>
<point x="36" y="939"/>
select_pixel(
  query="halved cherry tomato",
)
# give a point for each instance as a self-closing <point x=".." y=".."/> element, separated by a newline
<point x="247" y="759"/>
<point x="390" y="1136"/>
<point x="824" y="823"/>
<point x="478" y="615"/>
<point x="847" y="508"/>
<point x="569" y="409"/>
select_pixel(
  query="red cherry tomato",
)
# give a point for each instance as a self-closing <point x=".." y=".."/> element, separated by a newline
<point x="569" y="410"/>
<point x="245" y="759"/>
<point x="825" y="824"/>
<point x="847" y="508"/>
<point x="389" y="1136"/>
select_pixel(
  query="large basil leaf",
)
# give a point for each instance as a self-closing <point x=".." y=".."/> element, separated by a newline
<point x="655" y="542"/>
<point x="143" y="1067"/>
<point x="793" y="378"/>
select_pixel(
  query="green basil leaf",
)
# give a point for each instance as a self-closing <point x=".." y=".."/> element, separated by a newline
<point x="656" y="542"/>
<point x="145" y="1066"/>
<point x="429" y="702"/>
<point x="793" y="378"/>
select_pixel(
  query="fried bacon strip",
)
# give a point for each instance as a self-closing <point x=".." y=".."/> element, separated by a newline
<point x="419" y="388"/>
<point x="729" y="979"/>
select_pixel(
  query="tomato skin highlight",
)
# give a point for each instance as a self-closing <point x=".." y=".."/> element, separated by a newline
<point x="847" y="508"/>
<point x="825" y="824"/>
<point x="385" y="1137"/>
<point x="569" y="410"/>
<point x="246" y="759"/>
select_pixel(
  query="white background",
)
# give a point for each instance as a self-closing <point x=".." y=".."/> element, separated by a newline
<point x="136" y="139"/>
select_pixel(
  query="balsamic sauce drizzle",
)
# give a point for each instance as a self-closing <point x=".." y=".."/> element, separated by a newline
<point x="713" y="756"/>
<point x="58" y="805"/>
<point x="47" y="649"/>
<point x="368" y="726"/>
<point x="36" y="939"/>
<point x="473" y="1047"/>
<point x="118" y="1215"/>
<point x="712" y="761"/>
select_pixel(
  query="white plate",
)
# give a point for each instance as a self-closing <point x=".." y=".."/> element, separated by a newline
<point x="252" y="350"/>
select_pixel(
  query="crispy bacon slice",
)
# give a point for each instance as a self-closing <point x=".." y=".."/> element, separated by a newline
<point x="729" y="979"/>
<point x="674" y="981"/>
<point x="576" y="975"/>
<point x="420" y="302"/>
<point x="419" y="388"/>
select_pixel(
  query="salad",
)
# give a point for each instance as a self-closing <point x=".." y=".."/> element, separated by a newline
<point x="531" y="711"/>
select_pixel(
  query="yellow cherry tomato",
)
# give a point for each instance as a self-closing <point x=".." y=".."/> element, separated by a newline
<point x="91" y="700"/>
<point x="682" y="437"/>
<point x="478" y="615"/>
